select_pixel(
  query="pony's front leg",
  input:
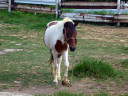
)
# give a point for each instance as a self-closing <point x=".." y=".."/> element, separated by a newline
<point x="66" y="64"/>
<point x="59" y="62"/>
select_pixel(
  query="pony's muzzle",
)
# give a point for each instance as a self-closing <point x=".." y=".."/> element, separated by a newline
<point x="72" y="49"/>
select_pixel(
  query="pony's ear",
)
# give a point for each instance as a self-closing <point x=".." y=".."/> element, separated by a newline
<point x="76" y="24"/>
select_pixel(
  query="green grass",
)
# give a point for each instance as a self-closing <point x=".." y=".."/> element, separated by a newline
<point x="95" y="68"/>
<point x="126" y="94"/>
<point x="62" y="93"/>
<point x="29" y="20"/>
<point x="124" y="63"/>
<point x="101" y="94"/>
<point x="30" y="67"/>
<point x="103" y="12"/>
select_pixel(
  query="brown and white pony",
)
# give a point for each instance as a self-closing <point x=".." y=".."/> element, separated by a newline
<point x="60" y="35"/>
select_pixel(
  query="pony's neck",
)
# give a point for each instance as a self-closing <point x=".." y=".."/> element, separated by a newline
<point x="60" y="32"/>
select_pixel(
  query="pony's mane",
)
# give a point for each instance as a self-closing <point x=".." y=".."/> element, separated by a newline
<point x="67" y="19"/>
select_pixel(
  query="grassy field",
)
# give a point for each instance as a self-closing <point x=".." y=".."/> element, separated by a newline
<point x="29" y="67"/>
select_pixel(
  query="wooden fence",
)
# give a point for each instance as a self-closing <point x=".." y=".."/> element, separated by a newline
<point x="97" y="18"/>
<point x="30" y="5"/>
<point x="37" y="6"/>
<point x="3" y="4"/>
<point x="34" y="8"/>
<point x="83" y="16"/>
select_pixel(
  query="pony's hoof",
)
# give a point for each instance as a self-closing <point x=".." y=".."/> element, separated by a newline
<point x="65" y="82"/>
<point x="52" y="73"/>
<point x="59" y="78"/>
<point x="55" y="82"/>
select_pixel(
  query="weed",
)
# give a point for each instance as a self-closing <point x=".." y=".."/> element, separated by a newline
<point x="93" y="67"/>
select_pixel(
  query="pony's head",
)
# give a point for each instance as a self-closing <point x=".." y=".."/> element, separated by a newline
<point x="70" y="33"/>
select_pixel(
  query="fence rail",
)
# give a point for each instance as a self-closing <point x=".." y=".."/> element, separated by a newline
<point x="3" y="0"/>
<point x="32" y="8"/>
<point x="41" y="2"/>
<point x="89" y="5"/>
<point x="96" y="17"/>
<point x="3" y="4"/>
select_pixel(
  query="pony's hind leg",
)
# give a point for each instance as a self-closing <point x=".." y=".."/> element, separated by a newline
<point x="51" y="63"/>
<point x="55" y="81"/>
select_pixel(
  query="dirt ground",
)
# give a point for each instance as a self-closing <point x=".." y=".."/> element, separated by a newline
<point x="86" y="85"/>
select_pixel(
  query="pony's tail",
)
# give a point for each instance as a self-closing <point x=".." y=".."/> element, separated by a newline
<point x="51" y="57"/>
<point x="50" y="61"/>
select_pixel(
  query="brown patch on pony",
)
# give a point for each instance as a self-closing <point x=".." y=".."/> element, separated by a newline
<point x="60" y="47"/>
<point x="50" y="24"/>
<point x="59" y="55"/>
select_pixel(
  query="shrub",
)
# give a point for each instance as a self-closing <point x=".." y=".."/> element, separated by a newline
<point x="95" y="68"/>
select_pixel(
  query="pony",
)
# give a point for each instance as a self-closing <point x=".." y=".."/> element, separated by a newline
<point x="58" y="37"/>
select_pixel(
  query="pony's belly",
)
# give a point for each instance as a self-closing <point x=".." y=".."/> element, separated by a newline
<point x="47" y="43"/>
<point x="48" y="40"/>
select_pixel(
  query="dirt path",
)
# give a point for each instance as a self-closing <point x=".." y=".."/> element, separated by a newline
<point x="86" y="86"/>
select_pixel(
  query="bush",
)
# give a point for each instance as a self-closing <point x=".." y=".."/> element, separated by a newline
<point x="95" y="68"/>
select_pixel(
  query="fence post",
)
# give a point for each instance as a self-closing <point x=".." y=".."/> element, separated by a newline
<point x="9" y="6"/>
<point x="57" y="12"/>
<point x="118" y="11"/>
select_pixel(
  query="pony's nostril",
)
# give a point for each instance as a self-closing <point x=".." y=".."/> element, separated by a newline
<point x="72" y="49"/>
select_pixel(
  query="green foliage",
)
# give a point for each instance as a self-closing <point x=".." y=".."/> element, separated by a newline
<point x="95" y="68"/>
<point x="102" y="12"/>
<point x="125" y="94"/>
<point x="62" y="93"/>
<point x="124" y="63"/>
<point x="101" y="94"/>
<point x="30" y="20"/>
